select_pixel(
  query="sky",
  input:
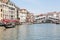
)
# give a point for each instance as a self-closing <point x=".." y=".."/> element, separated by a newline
<point x="38" y="6"/>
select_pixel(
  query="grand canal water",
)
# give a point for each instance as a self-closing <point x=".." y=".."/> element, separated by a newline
<point x="39" y="32"/>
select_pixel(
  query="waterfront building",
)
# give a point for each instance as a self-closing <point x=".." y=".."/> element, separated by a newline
<point x="13" y="10"/>
<point x="8" y="11"/>
<point x="23" y="15"/>
<point x="52" y="14"/>
<point x="58" y="15"/>
<point x="4" y="1"/>
<point x="55" y="14"/>
<point x="1" y="13"/>
<point x="30" y="17"/>
<point x="49" y="14"/>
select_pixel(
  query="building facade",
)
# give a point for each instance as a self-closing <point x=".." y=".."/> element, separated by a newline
<point x="8" y="11"/>
<point x="53" y="14"/>
<point x="22" y="15"/>
<point x="4" y="1"/>
<point x="30" y="17"/>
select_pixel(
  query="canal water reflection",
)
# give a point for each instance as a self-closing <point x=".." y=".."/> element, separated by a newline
<point x="39" y="32"/>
